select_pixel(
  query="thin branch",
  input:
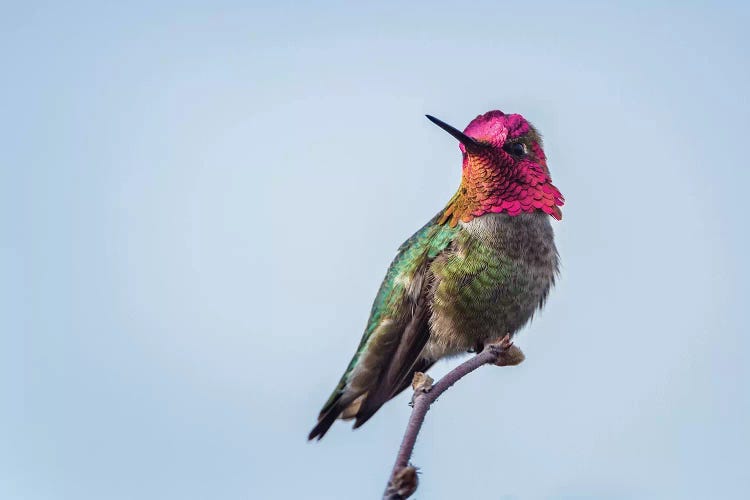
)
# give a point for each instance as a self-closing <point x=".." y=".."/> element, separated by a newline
<point x="403" y="480"/>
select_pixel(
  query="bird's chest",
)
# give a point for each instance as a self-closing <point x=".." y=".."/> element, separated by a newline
<point x="496" y="274"/>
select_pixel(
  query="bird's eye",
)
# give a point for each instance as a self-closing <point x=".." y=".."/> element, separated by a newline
<point x="515" y="148"/>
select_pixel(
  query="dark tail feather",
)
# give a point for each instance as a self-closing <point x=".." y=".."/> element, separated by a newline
<point x="325" y="422"/>
<point x="370" y="407"/>
<point x="329" y="414"/>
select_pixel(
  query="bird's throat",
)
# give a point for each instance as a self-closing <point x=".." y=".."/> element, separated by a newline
<point x="487" y="189"/>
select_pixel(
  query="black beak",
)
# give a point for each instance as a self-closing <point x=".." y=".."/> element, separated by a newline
<point x="472" y="145"/>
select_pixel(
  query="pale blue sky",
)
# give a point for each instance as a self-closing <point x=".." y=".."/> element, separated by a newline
<point x="198" y="202"/>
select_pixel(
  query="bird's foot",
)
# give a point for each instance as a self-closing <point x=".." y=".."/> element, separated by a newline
<point x="508" y="353"/>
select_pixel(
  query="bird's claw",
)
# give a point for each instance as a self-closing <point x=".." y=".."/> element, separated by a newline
<point x="508" y="354"/>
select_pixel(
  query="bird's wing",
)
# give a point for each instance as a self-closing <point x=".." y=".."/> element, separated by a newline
<point x="396" y="332"/>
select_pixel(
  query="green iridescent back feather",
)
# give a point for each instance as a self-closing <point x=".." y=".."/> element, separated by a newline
<point x="420" y="249"/>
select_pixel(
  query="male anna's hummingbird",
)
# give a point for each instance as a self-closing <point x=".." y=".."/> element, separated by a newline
<point x="474" y="273"/>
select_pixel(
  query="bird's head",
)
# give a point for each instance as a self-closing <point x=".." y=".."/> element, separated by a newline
<point x="504" y="169"/>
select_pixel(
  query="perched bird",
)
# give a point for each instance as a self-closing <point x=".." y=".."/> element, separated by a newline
<point x="474" y="273"/>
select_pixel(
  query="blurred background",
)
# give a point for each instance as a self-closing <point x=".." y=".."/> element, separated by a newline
<point x="198" y="202"/>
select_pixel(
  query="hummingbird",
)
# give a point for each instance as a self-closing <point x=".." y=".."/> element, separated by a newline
<point x="476" y="272"/>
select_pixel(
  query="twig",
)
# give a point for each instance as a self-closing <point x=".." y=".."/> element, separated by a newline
<point x="403" y="480"/>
